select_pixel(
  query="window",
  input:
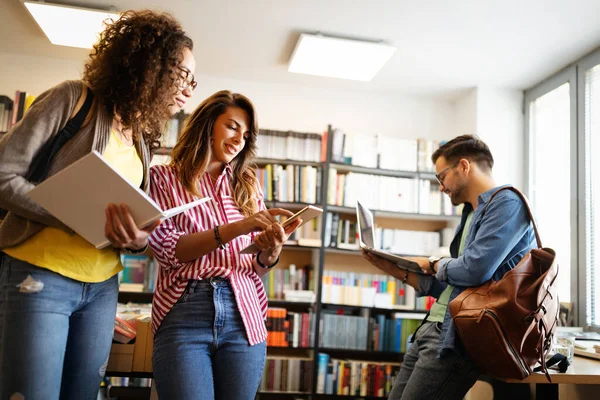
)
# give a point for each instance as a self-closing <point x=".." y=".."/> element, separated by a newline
<point x="591" y="127"/>
<point x="563" y="179"/>
<point x="549" y="181"/>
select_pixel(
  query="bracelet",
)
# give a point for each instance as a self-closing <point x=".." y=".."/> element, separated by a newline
<point x="220" y="244"/>
<point x="265" y="266"/>
<point x="139" y="251"/>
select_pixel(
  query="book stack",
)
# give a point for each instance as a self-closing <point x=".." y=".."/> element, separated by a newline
<point x="289" y="329"/>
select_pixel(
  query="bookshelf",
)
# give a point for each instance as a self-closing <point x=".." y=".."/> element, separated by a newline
<point x="321" y="260"/>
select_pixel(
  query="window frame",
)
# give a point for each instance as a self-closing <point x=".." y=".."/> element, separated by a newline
<point x="583" y="65"/>
<point x="567" y="75"/>
<point x="574" y="74"/>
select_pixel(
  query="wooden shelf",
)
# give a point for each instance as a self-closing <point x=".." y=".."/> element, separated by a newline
<point x="375" y="309"/>
<point x="135" y="297"/>
<point x="128" y="392"/>
<point x="281" y="395"/>
<point x="265" y="161"/>
<point x="289" y="304"/>
<point x="382" y="172"/>
<point x="286" y="204"/>
<point x="290" y="348"/>
<point x="396" y="215"/>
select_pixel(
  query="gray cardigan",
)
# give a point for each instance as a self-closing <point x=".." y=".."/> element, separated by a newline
<point x="48" y="114"/>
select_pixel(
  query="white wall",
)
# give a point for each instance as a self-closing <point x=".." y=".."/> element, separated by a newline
<point x="285" y="107"/>
<point x="465" y="113"/>
<point x="500" y="123"/>
<point x="496" y="116"/>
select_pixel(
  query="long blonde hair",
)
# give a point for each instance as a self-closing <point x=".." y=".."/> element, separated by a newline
<point x="193" y="150"/>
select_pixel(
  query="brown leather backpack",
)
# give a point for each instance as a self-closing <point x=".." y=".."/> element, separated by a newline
<point x="506" y="326"/>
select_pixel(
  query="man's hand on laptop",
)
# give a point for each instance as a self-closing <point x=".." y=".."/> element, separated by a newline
<point x="381" y="263"/>
<point x="423" y="264"/>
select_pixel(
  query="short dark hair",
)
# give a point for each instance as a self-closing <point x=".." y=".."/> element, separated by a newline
<point x="466" y="146"/>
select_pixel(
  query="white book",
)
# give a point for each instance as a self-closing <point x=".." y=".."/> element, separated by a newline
<point x="79" y="195"/>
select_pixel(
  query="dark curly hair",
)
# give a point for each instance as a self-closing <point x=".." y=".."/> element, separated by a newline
<point x="132" y="70"/>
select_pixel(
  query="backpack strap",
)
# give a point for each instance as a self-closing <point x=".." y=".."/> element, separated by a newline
<point x="41" y="163"/>
<point x="526" y="203"/>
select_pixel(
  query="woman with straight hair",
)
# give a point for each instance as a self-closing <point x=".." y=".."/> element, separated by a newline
<point x="58" y="293"/>
<point x="210" y="305"/>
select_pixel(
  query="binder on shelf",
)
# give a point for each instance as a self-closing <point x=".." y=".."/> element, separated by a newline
<point x="79" y="194"/>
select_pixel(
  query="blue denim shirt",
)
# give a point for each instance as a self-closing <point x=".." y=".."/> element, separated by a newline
<point x="499" y="236"/>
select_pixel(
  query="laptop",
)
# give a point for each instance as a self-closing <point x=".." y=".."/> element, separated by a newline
<point x="366" y="239"/>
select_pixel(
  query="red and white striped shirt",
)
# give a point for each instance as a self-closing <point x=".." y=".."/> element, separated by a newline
<point x="173" y="275"/>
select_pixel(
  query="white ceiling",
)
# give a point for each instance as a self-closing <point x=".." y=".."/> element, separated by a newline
<point x="444" y="46"/>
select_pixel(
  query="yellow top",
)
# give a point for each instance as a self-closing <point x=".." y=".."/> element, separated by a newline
<point x="438" y="310"/>
<point x="69" y="254"/>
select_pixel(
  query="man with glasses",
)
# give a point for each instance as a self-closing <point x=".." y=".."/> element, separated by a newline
<point x="489" y="241"/>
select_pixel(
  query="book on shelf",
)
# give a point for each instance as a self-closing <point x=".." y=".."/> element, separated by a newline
<point x="293" y="278"/>
<point x="80" y="202"/>
<point x="290" y="183"/>
<point x="289" y="329"/>
<point x="355" y="377"/>
<point x="366" y="290"/>
<point x="285" y="374"/>
<point x="289" y="145"/>
<point x="383" y="152"/>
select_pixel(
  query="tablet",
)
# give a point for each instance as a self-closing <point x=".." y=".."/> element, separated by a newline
<point x="306" y="214"/>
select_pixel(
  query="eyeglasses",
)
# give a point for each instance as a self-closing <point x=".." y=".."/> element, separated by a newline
<point x="442" y="175"/>
<point x="188" y="79"/>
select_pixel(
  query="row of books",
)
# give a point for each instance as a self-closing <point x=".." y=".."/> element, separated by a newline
<point x="281" y="279"/>
<point x="289" y="329"/>
<point x="123" y="381"/>
<point x="290" y="183"/>
<point x="355" y="378"/>
<point x="11" y="111"/>
<point x="383" y="152"/>
<point x="287" y="375"/>
<point x="289" y="145"/>
<point x="424" y="303"/>
<point x="386" y="193"/>
<point x="366" y="290"/>
<point x="139" y="274"/>
<point x="368" y="333"/>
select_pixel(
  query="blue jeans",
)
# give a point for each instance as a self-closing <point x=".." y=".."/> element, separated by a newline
<point x="55" y="332"/>
<point x="424" y="376"/>
<point x="201" y="349"/>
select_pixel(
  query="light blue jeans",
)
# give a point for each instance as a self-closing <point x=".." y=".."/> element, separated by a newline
<point x="201" y="349"/>
<point x="55" y="332"/>
<point x="423" y="376"/>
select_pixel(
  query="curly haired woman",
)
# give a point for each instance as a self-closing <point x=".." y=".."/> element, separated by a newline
<point x="58" y="293"/>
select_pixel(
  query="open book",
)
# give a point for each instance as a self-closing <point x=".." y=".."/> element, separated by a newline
<point x="366" y="239"/>
<point x="79" y="194"/>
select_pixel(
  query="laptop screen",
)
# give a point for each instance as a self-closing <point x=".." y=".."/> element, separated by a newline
<point x="365" y="225"/>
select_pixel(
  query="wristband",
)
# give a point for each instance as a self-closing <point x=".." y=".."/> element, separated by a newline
<point x="265" y="266"/>
<point x="220" y="244"/>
